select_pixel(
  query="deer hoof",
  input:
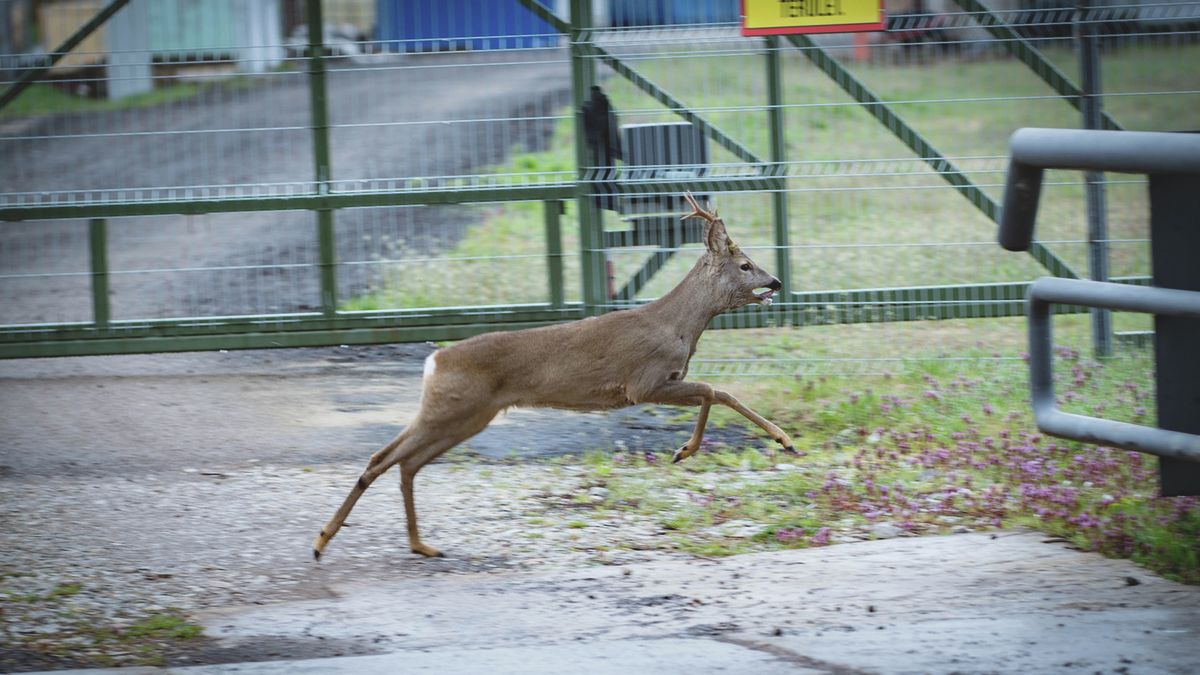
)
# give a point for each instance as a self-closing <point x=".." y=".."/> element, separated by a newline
<point x="316" y="555"/>
<point x="680" y="455"/>
<point x="428" y="551"/>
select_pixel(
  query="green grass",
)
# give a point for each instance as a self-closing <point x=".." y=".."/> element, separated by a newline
<point x="168" y="626"/>
<point x="56" y="594"/>
<point x="43" y="99"/>
<point x="39" y="100"/>
<point x="927" y="449"/>
<point x="82" y="636"/>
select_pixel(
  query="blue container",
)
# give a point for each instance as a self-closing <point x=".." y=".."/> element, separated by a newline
<point x="423" y="26"/>
<point x="672" y="12"/>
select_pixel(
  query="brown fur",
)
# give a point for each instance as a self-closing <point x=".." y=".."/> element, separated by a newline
<point x="611" y="361"/>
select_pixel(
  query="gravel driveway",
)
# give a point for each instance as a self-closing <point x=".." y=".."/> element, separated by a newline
<point x="392" y="121"/>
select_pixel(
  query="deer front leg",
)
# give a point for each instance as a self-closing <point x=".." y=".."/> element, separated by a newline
<point x="676" y="392"/>
<point x="407" y="475"/>
<point x="693" y="443"/>
<point x="724" y="398"/>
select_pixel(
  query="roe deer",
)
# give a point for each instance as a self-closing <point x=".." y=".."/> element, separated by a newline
<point x="610" y="361"/>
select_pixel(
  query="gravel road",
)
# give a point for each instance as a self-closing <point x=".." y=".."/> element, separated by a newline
<point x="227" y="252"/>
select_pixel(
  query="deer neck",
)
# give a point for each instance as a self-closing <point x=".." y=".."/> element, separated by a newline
<point x="692" y="304"/>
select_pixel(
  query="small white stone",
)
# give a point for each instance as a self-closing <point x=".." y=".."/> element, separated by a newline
<point x="885" y="531"/>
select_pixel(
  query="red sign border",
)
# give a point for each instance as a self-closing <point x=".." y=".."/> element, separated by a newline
<point x="831" y="28"/>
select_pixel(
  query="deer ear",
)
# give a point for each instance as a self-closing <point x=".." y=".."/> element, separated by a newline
<point x="716" y="238"/>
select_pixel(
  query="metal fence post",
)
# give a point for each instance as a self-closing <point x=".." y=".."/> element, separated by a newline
<point x="98" y="242"/>
<point x="583" y="75"/>
<point x="779" y="197"/>
<point x="1090" y="105"/>
<point x="319" y="102"/>
<point x="554" y="252"/>
<point x="1174" y="239"/>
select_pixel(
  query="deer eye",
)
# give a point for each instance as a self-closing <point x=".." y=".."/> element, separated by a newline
<point x="745" y="267"/>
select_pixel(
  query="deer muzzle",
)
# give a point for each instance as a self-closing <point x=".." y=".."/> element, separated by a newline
<point x="767" y="297"/>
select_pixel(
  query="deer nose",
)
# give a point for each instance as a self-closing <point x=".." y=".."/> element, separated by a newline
<point x="775" y="284"/>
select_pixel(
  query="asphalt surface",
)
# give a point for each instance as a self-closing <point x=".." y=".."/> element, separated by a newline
<point x="1012" y="602"/>
<point x="198" y="480"/>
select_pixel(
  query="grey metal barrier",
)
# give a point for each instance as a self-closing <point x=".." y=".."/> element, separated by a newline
<point x="1159" y="301"/>
<point x="1172" y="162"/>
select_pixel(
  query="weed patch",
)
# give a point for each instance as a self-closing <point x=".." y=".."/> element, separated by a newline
<point x="926" y="451"/>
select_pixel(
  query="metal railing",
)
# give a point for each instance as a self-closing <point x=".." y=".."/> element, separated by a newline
<point x="1172" y="162"/>
<point x="1158" y="301"/>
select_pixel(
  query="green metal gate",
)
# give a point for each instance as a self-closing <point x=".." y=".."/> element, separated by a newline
<point x="164" y="223"/>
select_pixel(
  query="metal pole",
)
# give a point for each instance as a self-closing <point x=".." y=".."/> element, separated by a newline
<point x="326" y="241"/>
<point x="583" y="75"/>
<point x="1090" y="105"/>
<point x="554" y="252"/>
<point x="1174" y="239"/>
<point x="777" y="124"/>
<point x="1176" y="442"/>
<point x="98" y="242"/>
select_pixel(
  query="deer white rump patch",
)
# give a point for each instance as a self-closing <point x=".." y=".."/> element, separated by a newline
<point x="430" y="366"/>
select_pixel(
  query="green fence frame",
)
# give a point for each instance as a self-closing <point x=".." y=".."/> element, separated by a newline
<point x="103" y="335"/>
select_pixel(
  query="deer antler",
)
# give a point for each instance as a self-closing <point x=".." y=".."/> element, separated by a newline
<point x="713" y="217"/>
<point x="698" y="212"/>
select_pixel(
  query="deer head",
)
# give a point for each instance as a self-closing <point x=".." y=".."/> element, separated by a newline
<point x="737" y="279"/>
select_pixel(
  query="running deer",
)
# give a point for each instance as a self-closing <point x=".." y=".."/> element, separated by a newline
<point x="610" y="361"/>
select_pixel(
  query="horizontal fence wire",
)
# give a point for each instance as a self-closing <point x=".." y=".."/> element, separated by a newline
<point x="461" y="186"/>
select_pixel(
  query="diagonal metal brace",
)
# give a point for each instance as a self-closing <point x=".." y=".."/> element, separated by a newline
<point x="917" y="143"/>
<point x="651" y="267"/>
<point x="645" y="84"/>
<point x="1030" y="56"/>
<point x="55" y="56"/>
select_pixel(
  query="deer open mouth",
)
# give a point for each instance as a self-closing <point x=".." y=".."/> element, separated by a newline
<point x="765" y="297"/>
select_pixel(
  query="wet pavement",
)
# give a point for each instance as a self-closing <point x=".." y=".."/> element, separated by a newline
<point x="1009" y="602"/>
<point x="195" y="482"/>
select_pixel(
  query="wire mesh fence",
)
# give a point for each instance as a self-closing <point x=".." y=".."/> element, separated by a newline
<point x="864" y="167"/>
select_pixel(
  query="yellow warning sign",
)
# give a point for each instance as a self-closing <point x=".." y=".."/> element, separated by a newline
<point x="779" y="17"/>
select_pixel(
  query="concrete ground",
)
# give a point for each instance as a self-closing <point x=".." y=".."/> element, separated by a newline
<point x="197" y="481"/>
<point x="1011" y="602"/>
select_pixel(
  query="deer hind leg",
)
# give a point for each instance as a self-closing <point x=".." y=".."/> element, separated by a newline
<point x="380" y="462"/>
<point x="421" y="455"/>
<point x="415" y="447"/>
